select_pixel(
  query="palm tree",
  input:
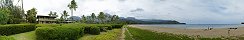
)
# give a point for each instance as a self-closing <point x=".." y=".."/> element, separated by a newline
<point x="101" y="16"/>
<point x="51" y="13"/>
<point x="93" y="17"/>
<point x="65" y="14"/>
<point x="72" y="6"/>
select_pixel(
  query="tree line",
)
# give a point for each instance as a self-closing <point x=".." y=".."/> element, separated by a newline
<point x="12" y="14"/>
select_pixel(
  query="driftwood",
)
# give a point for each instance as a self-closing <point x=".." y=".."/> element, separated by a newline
<point x="232" y="28"/>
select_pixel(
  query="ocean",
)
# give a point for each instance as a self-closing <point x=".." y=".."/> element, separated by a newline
<point x="193" y="26"/>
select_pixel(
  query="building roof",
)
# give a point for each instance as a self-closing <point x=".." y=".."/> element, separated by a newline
<point x="46" y="16"/>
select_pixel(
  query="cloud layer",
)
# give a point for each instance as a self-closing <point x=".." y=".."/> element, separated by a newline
<point x="189" y="11"/>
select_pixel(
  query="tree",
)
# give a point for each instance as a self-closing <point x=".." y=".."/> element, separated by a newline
<point x="116" y="18"/>
<point x="54" y="14"/>
<point x="72" y="6"/>
<point x="83" y="19"/>
<point x="51" y="13"/>
<point x="113" y="18"/>
<point x="31" y="15"/>
<point x="65" y="14"/>
<point x="101" y="17"/>
<point x="16" y="14"/>
<point x="4" y="13"/>
<point x="93" y="16"/>
<point x="61" y="18"/>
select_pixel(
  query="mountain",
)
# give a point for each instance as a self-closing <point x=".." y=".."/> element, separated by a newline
<point x="132" y="20"/>
<point x="76" y="18"/>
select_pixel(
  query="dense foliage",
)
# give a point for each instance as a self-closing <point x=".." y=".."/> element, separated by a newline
<point x="92" y="30"/>
<point x="59" y="33"/>
<point x="117" y="25"/>
<point x="16" y="28"/>
<point x="3" y="17"/>
<point x="31" y="15"/>
<point x="69" y="31"/>
<point x="15" y="13"/>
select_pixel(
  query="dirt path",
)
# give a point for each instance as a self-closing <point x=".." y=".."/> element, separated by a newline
<point x="122" y="37"/>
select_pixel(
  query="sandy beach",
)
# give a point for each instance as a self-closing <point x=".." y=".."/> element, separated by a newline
<point x="215" y="32"/>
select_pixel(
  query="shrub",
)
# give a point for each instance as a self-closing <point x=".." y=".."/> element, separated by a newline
<point x="104" y="27"/>
<point x="48" y="25"/>
<point x="117" y="25"/>
<point x="16" y="28"/>
<point x="6" y="38"/>
<point x="59" y="33"/>
<point x="92" y="30"/>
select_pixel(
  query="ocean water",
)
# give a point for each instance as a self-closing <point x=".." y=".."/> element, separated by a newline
<point x="194" y="26"/>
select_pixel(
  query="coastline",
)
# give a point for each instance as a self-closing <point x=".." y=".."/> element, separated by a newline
<point x="215" y="32"/>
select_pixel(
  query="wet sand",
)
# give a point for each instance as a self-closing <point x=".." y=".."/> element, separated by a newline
<point x="215" y="32"/>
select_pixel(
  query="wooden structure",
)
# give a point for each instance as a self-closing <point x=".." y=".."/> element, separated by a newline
<point x="46" y="19"/>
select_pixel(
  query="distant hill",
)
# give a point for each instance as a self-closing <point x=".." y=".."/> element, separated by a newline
<point x="132" y="20"/>
<point x="76" y="18"/>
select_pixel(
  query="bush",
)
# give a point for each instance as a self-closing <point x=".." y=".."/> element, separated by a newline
<point x="92" y="30"/>
<point x="59" y="33"/>
<point x="117" y="25"/>
<point x="6" y="38"/>
<point x="16" y="28"/>
<point x="48" y="25"/>
<point x="104" y="27"/>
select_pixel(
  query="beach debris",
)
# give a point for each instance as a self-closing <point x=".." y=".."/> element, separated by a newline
<point x="232" y="28"/>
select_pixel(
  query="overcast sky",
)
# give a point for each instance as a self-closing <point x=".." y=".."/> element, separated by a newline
<point x="188" y="11"/>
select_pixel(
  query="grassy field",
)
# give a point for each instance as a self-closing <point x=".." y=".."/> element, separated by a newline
<point x="109" y="35"/>
<point x="127" y="35"/>
<point x="25" y="36"/>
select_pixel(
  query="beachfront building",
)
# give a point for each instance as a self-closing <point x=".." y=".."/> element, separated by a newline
<point x="46" y="19"/>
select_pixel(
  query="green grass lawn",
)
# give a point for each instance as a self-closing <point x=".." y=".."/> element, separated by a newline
<point x="109" y="35"/>
<point x="25" y="36"/>
<point x="127" y="36"/>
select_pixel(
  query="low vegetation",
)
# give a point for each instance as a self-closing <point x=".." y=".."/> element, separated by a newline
<point x="109" y="35"/>
<point x="139" y="34"/>
<point x="16" y="28"/>
<point x="48" y="25"/>
<point x="70" y="31"/>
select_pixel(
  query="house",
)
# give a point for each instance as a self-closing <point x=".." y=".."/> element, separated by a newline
<point x="46" y="19"/>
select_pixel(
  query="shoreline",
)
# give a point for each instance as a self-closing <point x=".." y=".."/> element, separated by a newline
<point x="215" y="32"/>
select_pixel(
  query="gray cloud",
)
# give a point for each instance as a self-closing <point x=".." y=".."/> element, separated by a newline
<point x="137" y="10"/>
<point x="189" y="11"/>
<point x="121" y="0"/>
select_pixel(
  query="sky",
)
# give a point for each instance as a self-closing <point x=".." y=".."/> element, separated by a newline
<point x="187" y="11"/>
